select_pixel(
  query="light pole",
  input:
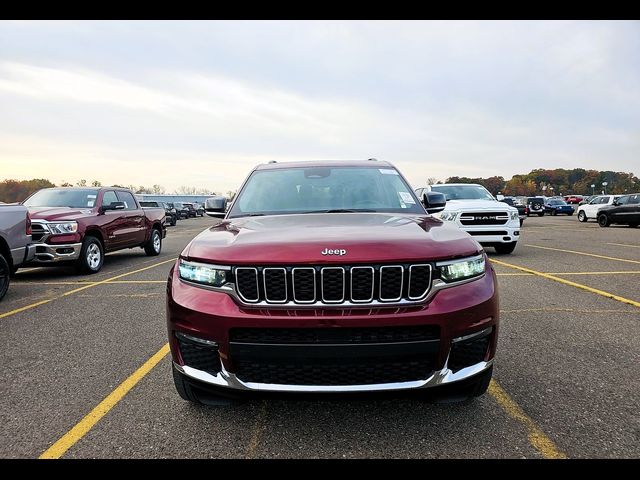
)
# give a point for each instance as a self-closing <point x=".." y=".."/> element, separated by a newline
<point x="604" y="184"/>
<point x="593" y="191"/>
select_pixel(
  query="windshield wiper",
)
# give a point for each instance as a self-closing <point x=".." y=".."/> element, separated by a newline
<point x="341" y="210"/>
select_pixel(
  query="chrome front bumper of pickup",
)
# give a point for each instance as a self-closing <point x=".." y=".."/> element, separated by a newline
<point x="46" y="253"/>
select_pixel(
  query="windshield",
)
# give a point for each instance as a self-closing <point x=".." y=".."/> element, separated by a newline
<point x="63" y="197"/>
<point x="325" y="189"/>
<point x="463" y="192"/>
<point x="557" y="202"/>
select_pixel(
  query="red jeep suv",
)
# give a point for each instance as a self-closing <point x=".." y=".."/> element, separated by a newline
<point x="331" y="277"/>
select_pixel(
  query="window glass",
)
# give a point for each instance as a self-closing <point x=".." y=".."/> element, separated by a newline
<point x="623" y="200"/>
<point x="127" y="198"/>
<point x="109" y="197"/>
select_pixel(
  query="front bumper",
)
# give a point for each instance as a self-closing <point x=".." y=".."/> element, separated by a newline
<point x="46" y="253"/>
<point x="462" y="314"/>
<point x="493" y="234"/>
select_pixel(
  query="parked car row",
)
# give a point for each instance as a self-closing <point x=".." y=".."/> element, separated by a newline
<point x="612" y="209"/>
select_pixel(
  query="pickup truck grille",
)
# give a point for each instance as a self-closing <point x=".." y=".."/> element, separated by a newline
<point x="356" y="284"/>
<point x="38" y="231"/>
<point x="484" y="218"/>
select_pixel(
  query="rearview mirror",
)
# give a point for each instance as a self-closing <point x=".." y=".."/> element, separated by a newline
<point x="113" y="206"/>
<point x="434" y="202"/>
<point x="215" y="207"/>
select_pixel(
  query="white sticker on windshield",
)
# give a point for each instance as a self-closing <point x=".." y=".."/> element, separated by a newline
<point x="388" y="171"/>
<point x="406" y="197"/>
<point x="91" y="196"/>
<point x="90" y="203"/>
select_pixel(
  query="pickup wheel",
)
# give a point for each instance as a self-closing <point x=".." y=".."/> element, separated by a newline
<point x="505" y="248"/>
<point x="603" y="220"/>
<point x="154" y="246"/>
<point x="91" y="256"/>
<point x="541" y="214"/>
<point x="5" y="274"/>
<point x="582" y="216"/>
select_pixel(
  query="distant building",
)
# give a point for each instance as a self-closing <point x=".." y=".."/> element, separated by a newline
<point x="170" y="198"/>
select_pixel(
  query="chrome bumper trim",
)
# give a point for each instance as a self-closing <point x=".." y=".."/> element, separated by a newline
<point x="51" y="254"/>
<point x="229" y="380"/>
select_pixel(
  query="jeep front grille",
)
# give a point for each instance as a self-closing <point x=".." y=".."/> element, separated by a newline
<point x="339" y="285"/>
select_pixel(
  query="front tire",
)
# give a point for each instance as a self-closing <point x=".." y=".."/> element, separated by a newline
<point x="91" y="256"/>
<point x="505" y="248"/>
<point x="154" y="246"/>
<point x="603" y="220"/>
<point x="5" y="276"/>
<point x="541" y="214"/>
<point x="582" y="216"/>
<point x="554" y="212"/>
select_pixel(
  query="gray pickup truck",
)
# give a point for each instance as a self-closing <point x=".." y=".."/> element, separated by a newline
<point x="15" y="242"/>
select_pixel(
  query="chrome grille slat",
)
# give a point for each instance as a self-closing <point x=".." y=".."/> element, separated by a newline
<point x="384" y="283"/>
<point x="326" y="283"/>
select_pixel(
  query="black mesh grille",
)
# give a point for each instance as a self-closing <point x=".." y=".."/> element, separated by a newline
<point x="465" y="354"/>
<point x="246" y="283"/>
<point x="390" y="283"/>
<point x="333" y="284"/>
<point x="201" y="357"/>
<point x="488" y="232"/>
<point x="275" y="284"/>
<point x="411" y="333"/>
<point x="362" y="283"/>
<point x="420" y="280"/>
<point x="304" y="284"/>
<point x="361" y="372"/>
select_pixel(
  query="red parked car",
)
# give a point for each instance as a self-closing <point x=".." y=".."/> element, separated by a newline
<point x="573" y="199"/>
<point x="79" y="225"/>
<point x="331" y="277"/>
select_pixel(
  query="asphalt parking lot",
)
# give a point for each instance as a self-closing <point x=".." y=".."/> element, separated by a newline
<point x="86" y="372"/>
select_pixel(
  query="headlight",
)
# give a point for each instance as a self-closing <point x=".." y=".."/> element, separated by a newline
<point x="66" y="227"/>
<point x="515" y="215"/>
<point x="448" y="216"/>
<point x="461" y="269"/>
<point x="202" y="273"/>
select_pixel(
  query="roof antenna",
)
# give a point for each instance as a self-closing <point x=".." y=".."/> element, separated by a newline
<point x="272" y="161"/>
<point x="372" y="159"/>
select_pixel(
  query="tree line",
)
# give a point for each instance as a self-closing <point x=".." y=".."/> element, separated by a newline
<point x="18" y="190"/>
<point x="559" y="181"/>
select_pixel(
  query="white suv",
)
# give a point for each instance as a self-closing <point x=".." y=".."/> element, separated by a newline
<point x="473" y="209"/>
<point x="590" y="210"/>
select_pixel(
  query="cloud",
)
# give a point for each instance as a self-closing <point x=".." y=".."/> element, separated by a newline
<point x="181" y="102"/>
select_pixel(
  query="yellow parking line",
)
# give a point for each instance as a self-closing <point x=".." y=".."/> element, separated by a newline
<point x="76" y="290"/>
<point x="569" y="282"/>
<point x="623" y="245"/>
<point x="257" y="431"/>
<point x="622" y="272"/>
<point x="70" y="438"/>
<point x="22" y="309"/>
<point x="536" y="436"/>
<point x="584" y="253"/>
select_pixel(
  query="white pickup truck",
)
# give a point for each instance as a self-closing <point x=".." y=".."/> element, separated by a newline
<point x="472" y="208"/>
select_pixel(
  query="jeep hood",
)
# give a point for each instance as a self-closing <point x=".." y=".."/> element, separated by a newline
<point x="300" y="239"/>
<point x="53" y="214"/>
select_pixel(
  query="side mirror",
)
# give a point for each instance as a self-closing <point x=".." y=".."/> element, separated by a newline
<point x="113" y="206"/>
<point x="434" y="202"/>
<point x="215" y="207"/>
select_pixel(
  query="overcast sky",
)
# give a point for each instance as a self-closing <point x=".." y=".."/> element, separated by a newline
<point x="201" y="103"/>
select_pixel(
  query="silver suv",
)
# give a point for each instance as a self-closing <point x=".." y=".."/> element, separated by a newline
<point x="15" y="242"/>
